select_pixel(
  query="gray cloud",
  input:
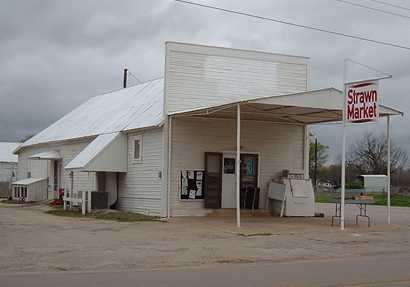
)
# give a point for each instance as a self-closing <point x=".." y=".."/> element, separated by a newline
<point x="54" y="55"/>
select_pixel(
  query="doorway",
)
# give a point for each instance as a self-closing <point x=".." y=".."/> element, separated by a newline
<point x="57" y="182"/>
<point x="220" y="180"/>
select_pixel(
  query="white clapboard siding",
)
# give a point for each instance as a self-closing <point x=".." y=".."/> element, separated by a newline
<point x="202" y="76"/>
<point x="44" y="168"/>
<point x="280" y="147"/>
<point x="140" y="189"/>
<point x="6" y="171"/>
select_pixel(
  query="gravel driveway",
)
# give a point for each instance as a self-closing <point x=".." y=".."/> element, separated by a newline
<point x="31" y="240"/>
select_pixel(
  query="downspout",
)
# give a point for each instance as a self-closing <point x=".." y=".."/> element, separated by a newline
<point x="117" y="182"/>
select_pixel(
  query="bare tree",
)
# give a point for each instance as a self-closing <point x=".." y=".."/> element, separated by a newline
<point x="369" y="155"/>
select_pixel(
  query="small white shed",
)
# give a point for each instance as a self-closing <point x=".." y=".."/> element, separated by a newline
<point x="374" y="182"/>
<point x="30" y="189"/>
<point x="8" y="166"/>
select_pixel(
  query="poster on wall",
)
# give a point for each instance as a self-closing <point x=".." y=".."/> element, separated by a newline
<point x="192" y="184"/>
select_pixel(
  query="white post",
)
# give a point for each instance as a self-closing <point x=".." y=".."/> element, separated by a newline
<point x="343" y="175"/>
<point x="83" y="202"/>
<point x="238" y="166"/>
<point x="169" y="167"/>
<point x="89" y="201"/>
<point x="388" y="171"/>
<point x="66" y="194"/>
<point x="306" y="152"/>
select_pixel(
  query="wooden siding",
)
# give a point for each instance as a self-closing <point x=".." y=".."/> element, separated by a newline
<point x="140" y="189"/>
<point x="6" y="171"/>
<point x="280" y="147"/>
<point x="44" y="168"/>
<point x="202" y="76"/>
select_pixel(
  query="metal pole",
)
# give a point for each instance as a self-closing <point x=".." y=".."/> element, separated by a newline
<point x="125" y="77"/>
<point x="315" y="172"/>
<point x="238" y="165"/>
<point x="343" y="176"/>
<point x="388" y="171"/>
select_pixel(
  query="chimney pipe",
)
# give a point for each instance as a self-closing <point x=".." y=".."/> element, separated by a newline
<point x="124" y="83"/>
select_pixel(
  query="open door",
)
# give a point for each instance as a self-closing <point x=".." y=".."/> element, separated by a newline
<point x="213" y="180"/>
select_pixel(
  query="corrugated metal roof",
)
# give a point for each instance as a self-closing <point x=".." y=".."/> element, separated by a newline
<point x="139" y="106"/>
<point x="28" y="181"/>
<point x="6" y="151"/>
<point x="91" y="151"/>
<point x="51" y="154"/>
<point x="373" y="175"/>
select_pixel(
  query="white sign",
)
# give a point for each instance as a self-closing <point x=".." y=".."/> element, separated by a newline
<point x="362" y="102"/>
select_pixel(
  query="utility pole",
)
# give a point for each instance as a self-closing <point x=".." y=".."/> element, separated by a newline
<point x="124" y="82"/>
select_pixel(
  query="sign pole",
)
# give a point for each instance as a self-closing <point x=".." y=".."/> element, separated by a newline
<point x="343" y="175"/>
<point x="361" y="104"/>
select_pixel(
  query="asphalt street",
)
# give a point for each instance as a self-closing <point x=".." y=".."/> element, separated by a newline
<point x="386" y="270"/>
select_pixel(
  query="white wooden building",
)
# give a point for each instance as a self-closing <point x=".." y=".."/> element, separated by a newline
<point x="374" y="182"/>
<point x="8" y="166"/>
<point x="168" y="147"/>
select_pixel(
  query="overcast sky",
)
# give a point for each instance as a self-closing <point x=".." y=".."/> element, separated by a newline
<point x="54" y="55"/>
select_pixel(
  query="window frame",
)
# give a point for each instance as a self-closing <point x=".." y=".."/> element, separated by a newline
<point x="140" y="139"/>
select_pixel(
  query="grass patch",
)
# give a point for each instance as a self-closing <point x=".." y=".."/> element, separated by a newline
<point x="395" y="200"/>
<point x="13" y="201"/>
<point x="323" y="197"/>
<point x="115" y="215"/>
<point x="379" y="198"/>
<point x="256" y="234"/>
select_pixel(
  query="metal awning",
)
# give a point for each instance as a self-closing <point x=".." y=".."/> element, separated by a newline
<point x="305" y="108"/>
<point x="47" y="155"/>
<point x="311" y="107"/>
<point x="107" y="152"/>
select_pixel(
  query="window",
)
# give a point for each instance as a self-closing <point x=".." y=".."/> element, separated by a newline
<point x="137" y="146"/>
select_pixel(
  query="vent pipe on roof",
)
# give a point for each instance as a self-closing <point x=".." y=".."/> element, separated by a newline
<point x="124" y="83"/>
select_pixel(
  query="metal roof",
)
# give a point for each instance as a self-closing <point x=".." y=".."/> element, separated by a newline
<point x="28" y="181"/>
<point x="310" y="107"/>
<point x="6" y="151"/>
<point x="139" y="106"/>
<point x="51" y="154"/>
<point x="104" y="153"/>
<point x="142" y="106"/>
<point x="374" y="175"/>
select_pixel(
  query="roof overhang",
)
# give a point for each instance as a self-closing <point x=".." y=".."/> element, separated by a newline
<point x="311" y="107"/>
<point x="107" y="152"/>
<point x="47" y="155"/>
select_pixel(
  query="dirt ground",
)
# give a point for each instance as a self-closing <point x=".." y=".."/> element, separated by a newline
<point x="31" y="240"/>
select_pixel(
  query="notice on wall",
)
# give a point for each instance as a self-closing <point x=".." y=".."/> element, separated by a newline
<point x="192" y="184"/>
<point x="362" y="102"/>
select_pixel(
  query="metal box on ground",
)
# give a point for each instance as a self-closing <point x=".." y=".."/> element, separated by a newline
<point x="99" y="200"/>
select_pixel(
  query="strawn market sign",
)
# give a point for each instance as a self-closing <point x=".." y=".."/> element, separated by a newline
<point x="362" y="102"/>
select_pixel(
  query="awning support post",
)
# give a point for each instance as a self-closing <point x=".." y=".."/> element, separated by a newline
<point x="343" y="175"/>
<point x="388" y="171"/>
<point x="238" y="165"/>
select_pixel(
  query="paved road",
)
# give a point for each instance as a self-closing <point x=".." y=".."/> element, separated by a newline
<point x="388" y="270"/>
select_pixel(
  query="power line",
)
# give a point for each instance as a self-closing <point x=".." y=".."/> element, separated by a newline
<point x="296" y="25"/>
<point x="391" y="5"/>
<point x="373" y="9"/>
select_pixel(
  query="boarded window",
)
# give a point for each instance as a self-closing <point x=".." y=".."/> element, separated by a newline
<point x="138" y="148"/>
